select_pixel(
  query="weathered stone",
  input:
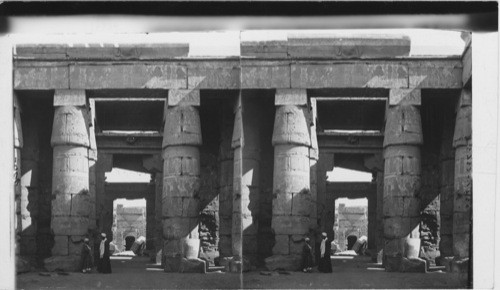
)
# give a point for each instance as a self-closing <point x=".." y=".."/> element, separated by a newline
<point x="463" y="127"/>
<point x="181" y="160"/>
<point x="172" y="264"/>
<point x="403" y="126"/>
<point x="171" y="248"/>
<point x="178" y="227"/>
<point x="403" y="185"/>
<point x="265" y="77"/>
<point x="426" y="74"/>
<point x="302" y="203"/>
<point x="283" y="262"/>
<point x="62" y="263"/>
<point x="467" y="65"/>
<point x="182" y="126"/>
<point x="347" y="47"/>
<point x="281" y="246"/>
<point x="22" y="265"/>
<point x="133" y="76"/>
<point x="401" y="206"/>
<point x="214" y="75"/>
<point x="70" y="127"/>
<point x="291" y="126"/>
<point x="269" y="47"/>
<point x="399" y="227"/>
<point x="460" y="265"/>
<point x="284" y="97"/>
<point x="290" y="225"/>
<point x="413" y="265"/>
<point x="192" y="266"/>
<point x="151" y="51"/>
<point x="296" y="247"/>
<point x="181" y="186"/>
<point x="60" y="246"/>
<point x="372" y="75"/>
<point x="41" y="78"/>
<point x="405" y="97"/>
<point x="183" y="98"/>
<point x="68" y="225"/>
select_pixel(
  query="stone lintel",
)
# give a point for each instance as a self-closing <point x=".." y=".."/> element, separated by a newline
<point x="183" y="98"/>
<point x="41" y="78"/>
<point x="214" y="75"/>
<point x="342" y="46"/>
<point x="290" y="97"/>
<point x="69" y="98"/>
<point x="349" y="75"/>
<point x="446" y="74"/>
<point x="405" y="97"/>
<point x="98" y="51"/>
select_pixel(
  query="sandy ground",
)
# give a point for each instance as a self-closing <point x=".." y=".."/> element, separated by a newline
<point x="136" y="273"/>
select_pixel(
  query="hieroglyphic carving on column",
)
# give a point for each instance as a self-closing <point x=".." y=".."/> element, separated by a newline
<point x="291" y="180"/>
<point x="401" y="204"/>
<point x="181" y="174"/>
<point x="18" y="145"/>
<point x="70" y="178"/>
<point x="462" y="203"/>
<point x="92" y="155"/>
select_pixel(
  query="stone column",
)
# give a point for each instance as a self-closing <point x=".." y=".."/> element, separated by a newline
<point x="401" y="204"/>
<point x="18" y="145"/>
<point x="462" y="202"/>
<point x="325" y="209"/>
<point x="380" y="215"/>
<point x="70" y="179"/>
<point x="246" y="190"/>
<point x="92" y="155"/>
<point x="313" y="166"/>
<point x="29" y="186"/>
<point x="447" y="168"/>
<point x="181" y="174"/>
<point x="291" y="182"/>
<point x="225" y="185"/>
<point x="158" y="217"/>
<point x="372" y="220"/>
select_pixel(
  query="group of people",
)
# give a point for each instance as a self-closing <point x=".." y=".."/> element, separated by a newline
<point x="103" y="261"/>
<point x="323" y="252"/>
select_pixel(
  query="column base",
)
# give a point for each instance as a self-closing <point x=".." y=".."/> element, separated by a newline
<point x="62" y="263"/>
<point x="445" y="261"/>
<point x="236" y="264"/>
<point x="460" y="265"/>
<point x="400" y="264"/>
<point x="284" y="262"/>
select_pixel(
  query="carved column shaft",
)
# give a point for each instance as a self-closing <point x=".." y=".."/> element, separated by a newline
<point x="181" y="174"/>
<point x="462" y="203"/>
<point x="401" y="205"/>
<point x="70" y="178"/>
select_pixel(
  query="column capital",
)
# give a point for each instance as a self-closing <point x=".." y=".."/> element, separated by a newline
<point x="399" y="97"/>
<point x="296" y="97"/>
<point x="69" y="98"/>
<point x="403" y="126"/>
<point x="183" y="98"/>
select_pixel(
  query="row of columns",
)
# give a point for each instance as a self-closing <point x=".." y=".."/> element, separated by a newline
<point x="76" y="181"/>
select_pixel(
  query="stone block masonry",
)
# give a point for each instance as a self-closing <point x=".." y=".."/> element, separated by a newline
<point x="181" y="179"/>
<point x="291" y="183"/>
<point x="401" y="204"/>
<point x="462" y="201"/>
<point x="70" y="179"/>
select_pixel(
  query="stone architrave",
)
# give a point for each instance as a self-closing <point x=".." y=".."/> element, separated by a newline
<point x="401" y="204"/>
<point x="181" y="176"/>
<point x="291" y="179"/>
<point x="462" y="201"/>
<point x="70" y="178"/>
<point x="246" y="190"/>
